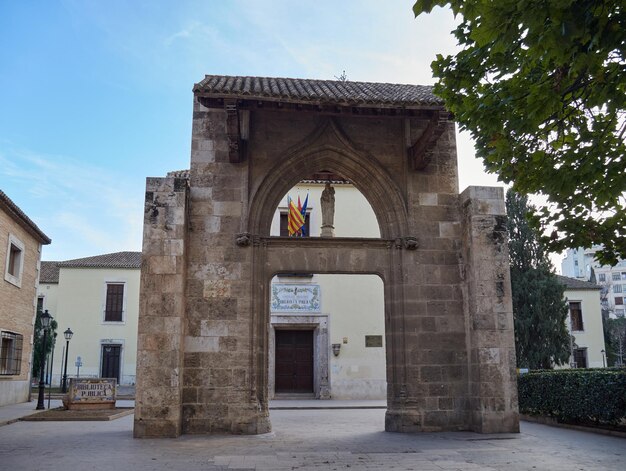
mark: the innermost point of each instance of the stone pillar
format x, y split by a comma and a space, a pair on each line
489, 320
158, 410
221, 391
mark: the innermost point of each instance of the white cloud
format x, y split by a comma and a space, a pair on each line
84, 208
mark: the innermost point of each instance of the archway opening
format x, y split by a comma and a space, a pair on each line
327, 346
353, 216
326, 333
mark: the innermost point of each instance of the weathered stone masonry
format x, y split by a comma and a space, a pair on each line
208, 257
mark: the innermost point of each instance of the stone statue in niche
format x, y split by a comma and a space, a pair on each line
327, 202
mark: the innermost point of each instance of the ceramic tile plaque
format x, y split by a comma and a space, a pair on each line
91, 393
295, 298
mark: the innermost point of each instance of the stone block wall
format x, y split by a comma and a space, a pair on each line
490, 339
162, 309
430, 308
219, 394
442, 257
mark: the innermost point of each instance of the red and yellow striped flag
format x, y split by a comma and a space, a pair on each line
295, 221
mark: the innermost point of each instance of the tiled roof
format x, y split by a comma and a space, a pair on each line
14, 211
49, 272
318, 91
109, 260
573, 283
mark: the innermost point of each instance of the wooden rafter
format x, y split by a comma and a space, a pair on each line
235, 144
420, 153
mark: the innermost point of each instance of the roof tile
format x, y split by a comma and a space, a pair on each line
318, 91
109, 260
13, 210
573, 283
49, 272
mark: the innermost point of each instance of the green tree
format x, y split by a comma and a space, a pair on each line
541, 87
38, 342
615, 341
539, 309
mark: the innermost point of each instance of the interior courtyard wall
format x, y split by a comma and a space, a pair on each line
356, 307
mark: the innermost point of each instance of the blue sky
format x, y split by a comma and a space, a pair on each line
96, 96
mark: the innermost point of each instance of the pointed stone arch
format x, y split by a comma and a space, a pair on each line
328, 148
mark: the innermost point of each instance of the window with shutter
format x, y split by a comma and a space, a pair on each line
576, 316
114, 310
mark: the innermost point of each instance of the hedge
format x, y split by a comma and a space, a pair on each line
575, 395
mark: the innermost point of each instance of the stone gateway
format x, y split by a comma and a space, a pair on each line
208, 257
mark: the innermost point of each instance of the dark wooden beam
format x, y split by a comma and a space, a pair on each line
233, 132
321, 108
420, 153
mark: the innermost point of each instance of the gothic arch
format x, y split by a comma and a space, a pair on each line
329, 149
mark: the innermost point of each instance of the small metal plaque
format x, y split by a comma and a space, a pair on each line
373, 340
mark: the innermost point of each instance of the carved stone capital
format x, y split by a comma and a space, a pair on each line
410, 243
243, 239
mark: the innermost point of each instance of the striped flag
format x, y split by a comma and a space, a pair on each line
295, 221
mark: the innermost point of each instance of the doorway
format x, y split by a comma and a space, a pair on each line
294, 361
111, 355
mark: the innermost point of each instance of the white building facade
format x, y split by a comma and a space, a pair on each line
584, 323
579, 263
98, 299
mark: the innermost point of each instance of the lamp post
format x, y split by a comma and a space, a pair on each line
68, 335
603, 359
45, 319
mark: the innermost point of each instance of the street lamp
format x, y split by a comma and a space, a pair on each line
45, 319
68, 335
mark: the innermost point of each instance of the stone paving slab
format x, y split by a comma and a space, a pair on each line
14, 412
292, 404
305, 440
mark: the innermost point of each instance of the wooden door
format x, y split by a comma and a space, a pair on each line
111, 361
294, 361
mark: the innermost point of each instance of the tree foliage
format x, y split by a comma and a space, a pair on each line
539, 309
541, 87
615, 341
588, 396
38, 342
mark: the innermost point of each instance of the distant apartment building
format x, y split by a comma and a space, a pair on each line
580, 263
20, 253
98, 299
584, 323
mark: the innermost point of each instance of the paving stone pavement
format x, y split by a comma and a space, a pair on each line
305, 440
